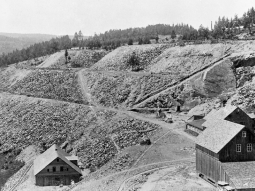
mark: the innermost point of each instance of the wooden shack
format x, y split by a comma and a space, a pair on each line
55, 167
225, 149
195, 126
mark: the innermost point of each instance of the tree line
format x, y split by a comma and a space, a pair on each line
114, 38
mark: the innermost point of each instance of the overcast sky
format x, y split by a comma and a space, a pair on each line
61, 17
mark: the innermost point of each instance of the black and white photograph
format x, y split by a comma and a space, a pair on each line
127, 95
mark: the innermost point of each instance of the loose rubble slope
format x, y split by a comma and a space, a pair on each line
91, 132
224, 74
118, 59
50, 84
123, 90
10, 75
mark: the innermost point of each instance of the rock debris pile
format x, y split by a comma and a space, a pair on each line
244, 75
87, 58
50, 84
25, 121
118, 59
98, 148
123, 89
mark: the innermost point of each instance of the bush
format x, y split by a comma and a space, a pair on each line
134, 62
130, 41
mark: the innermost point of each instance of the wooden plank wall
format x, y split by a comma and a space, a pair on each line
208, 165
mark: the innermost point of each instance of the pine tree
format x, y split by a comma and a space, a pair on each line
173, 35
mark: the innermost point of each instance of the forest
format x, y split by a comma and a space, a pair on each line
114, 38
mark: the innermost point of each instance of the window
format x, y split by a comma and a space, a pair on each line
48, 170
54, 169
66, 169
238, 147
61, 168
57, 160
243, 133
249, 147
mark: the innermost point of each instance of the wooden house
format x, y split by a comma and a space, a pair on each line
229, 113
55, 167
225, 150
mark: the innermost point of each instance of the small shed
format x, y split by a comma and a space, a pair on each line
55, 167
195, 126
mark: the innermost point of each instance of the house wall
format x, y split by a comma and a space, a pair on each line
49, 178
229, 154
209, 166
55, 180
240, 117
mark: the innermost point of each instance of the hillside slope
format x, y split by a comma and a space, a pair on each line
47, 101
25, 121
204, 71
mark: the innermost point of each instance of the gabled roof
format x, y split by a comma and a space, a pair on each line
72, 157
49, 155
217, 134
222, 113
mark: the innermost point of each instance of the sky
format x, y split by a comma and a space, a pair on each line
61, 17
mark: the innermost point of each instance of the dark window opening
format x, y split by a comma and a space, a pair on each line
61, 168
48, 170
54, 169
57, 160
66, 169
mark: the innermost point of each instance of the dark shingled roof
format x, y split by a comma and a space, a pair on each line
217, 134
51, 154
242, 174
197, 123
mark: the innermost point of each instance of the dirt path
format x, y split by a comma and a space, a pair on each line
137, 74
171, 126
122, 186
160, 165
51, 60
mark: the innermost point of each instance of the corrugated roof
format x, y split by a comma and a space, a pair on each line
217, 134
197, 123
49, 155
242, 174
